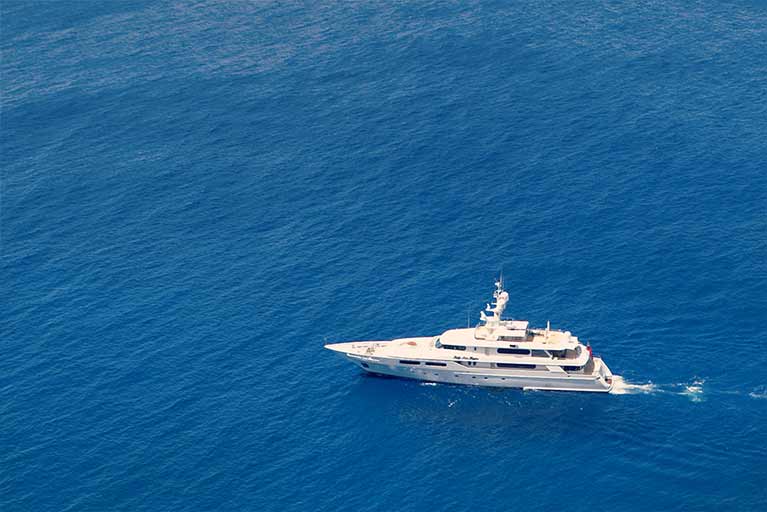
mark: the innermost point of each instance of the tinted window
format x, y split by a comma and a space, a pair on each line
521, 351
454, 347
430, 363
512, 365
403, 361
572, 368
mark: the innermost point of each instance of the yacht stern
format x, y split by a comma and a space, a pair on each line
605, 375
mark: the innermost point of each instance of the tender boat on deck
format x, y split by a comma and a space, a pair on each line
497, 352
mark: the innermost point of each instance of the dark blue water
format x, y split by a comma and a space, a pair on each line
196, 196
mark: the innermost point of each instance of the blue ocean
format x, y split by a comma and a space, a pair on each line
198, 195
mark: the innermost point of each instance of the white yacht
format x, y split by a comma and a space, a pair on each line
497, 352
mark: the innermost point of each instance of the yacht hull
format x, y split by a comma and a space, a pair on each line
600, 381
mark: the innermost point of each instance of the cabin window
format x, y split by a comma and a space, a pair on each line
454, 347
572, 368
405, 361
437, 344
432, 363
510, 338
513, 365
540, 353
520, 351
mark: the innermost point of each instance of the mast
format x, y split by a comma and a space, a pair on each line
501, 299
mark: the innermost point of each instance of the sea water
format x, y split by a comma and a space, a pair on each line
197, 196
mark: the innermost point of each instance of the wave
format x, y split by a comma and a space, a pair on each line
760, 393
694, 390
623, 387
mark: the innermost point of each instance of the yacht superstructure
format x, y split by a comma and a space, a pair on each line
497, 352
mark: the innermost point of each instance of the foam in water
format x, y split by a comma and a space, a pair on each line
622, 387
694, 390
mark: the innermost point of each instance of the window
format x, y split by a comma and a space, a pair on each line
540, 353
512, 365
405, 361
520, 351
572, 368
438, 344
364, 365
433, 363
454, 347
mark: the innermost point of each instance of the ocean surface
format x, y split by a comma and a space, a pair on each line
197, 195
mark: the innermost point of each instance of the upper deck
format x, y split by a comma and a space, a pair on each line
492, 341
532, 339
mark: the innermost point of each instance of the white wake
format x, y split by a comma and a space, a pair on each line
694, 390
623, 387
